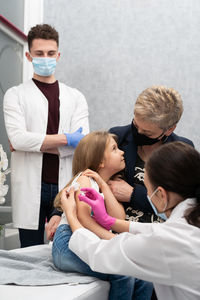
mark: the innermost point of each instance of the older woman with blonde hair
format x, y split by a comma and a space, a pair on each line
157, 111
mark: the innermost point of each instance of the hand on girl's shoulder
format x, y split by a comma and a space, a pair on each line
95, 176
84, 181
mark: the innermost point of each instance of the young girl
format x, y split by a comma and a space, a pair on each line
98, 152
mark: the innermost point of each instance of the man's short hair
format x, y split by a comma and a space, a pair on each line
42, 31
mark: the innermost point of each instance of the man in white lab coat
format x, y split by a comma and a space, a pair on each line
45, 120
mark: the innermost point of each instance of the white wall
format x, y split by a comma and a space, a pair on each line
13, 10
113, 49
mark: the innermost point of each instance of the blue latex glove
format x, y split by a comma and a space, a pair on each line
74, 138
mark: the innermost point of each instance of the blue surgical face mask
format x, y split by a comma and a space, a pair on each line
44, 66
161, 215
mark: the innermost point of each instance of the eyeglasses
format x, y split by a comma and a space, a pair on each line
150, 134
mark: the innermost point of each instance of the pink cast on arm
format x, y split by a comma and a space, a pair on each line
96, 201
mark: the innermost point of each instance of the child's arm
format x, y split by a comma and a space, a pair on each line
84, 213
113, 207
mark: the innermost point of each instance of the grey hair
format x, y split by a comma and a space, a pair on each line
160, 105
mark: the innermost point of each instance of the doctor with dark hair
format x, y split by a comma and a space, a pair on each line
165, 253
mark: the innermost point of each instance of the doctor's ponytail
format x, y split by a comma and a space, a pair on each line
193, 214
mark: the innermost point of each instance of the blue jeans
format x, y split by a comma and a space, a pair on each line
121, 287
36, 237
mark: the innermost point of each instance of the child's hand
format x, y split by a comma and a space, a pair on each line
95, 176
51, 226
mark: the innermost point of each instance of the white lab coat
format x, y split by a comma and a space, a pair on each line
26, 117
166, 254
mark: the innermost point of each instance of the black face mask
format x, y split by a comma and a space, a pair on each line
142, 139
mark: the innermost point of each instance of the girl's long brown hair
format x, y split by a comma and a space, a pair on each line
88, 155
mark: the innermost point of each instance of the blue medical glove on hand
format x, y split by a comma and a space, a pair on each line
96, 201
74, 138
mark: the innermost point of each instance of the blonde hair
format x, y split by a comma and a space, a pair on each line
160, 105
88, 155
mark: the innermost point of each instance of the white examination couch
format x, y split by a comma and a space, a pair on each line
96, 290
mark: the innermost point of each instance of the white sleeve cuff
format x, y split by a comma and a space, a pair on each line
66, 151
